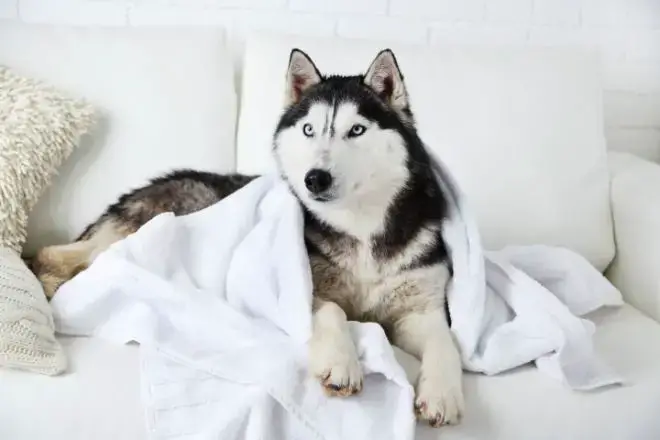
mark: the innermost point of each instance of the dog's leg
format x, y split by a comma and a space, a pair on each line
54, 265
439, 393
333, 356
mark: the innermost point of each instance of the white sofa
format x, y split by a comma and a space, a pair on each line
521, 128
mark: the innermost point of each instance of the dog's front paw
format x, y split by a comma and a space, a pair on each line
439, 400
337, 367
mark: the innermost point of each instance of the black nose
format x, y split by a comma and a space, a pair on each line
318, 181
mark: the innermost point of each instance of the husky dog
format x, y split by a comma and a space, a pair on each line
348, 148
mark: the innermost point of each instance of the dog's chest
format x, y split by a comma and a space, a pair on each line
366, 287
356, 259
370, 282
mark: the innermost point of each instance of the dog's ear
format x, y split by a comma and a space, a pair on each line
301, 75
385, 78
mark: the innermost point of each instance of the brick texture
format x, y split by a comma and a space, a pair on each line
564, 13
467, 33
383, 29
509, 11
76, 12
625, 32
464, 10
371, 7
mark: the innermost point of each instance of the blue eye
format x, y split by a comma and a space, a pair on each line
357, 130
308, 130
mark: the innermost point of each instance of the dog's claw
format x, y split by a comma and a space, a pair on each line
435, 422
343, 390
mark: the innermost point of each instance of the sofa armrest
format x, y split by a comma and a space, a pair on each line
635, 195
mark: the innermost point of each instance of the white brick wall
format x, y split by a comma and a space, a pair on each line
509, 11
627, 32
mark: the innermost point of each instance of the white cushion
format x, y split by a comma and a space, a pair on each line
525, 404
167, 99
100, 397
521, 128
636, 214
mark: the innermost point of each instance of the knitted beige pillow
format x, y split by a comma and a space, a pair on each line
27, 337
39, 129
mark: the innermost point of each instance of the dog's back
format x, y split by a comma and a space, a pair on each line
180, 192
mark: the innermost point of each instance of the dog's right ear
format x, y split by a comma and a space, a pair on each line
301, 75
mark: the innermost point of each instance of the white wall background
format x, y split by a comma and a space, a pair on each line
627, 32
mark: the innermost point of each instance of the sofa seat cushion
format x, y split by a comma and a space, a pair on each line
100, 397
525, 404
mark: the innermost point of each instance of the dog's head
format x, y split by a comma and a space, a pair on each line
343, 141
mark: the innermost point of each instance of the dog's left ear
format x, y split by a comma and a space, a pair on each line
385, 78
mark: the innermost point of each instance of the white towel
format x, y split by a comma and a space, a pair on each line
219, 301
522, 304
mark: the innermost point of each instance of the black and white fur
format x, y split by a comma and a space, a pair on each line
349, 150
373, 227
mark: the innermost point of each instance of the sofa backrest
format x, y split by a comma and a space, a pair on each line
521, 128
166, 99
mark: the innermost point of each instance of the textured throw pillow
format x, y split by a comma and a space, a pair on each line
39, 129
27, 338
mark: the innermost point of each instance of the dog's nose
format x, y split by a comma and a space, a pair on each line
318, 181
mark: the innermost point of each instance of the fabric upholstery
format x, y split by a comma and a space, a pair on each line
636, 212
104, 385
